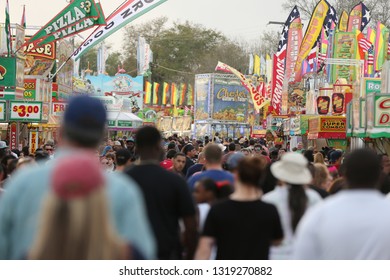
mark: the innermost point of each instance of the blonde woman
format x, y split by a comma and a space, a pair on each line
322, 178
75, 222
319, 158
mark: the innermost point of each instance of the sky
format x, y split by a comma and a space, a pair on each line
242, 20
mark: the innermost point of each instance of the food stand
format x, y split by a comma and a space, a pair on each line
332, 129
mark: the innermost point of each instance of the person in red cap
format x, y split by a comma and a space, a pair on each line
75, 220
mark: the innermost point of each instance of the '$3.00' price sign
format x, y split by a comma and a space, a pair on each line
26, 111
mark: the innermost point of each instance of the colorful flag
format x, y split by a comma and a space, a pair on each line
359, 17
262, 65
370, 57
148, 92
183, 91
174, 94
312, 58
312, 32
268, 60
190, 99
343, 22
363, 42
256, 65
257, 98
388, 49
73, 19
124, 14
382, 34
156, 87
322, 54
294, 43
279, 63
23, 21
8, 29
164, 99
251, 63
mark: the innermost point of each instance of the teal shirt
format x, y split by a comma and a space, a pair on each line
21, 202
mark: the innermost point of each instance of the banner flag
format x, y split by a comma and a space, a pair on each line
190, 99
164, 99
370, 59
262, 65
279, 63
382, 35
343, 22
257, 98
156, 87
312, 32
174, 94
144, 57
268, 61
23, 21
8, 29
148, 92
78, 16
256, 67
293, 45
129, 11
359, 17
251, 63
183, 92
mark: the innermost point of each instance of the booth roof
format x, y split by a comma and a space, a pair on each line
123, 116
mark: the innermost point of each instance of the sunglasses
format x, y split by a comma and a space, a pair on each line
49, 149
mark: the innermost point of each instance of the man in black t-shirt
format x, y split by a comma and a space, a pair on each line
167, 198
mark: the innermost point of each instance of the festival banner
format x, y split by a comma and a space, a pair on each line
256, 65
78, 16
359, 17
174, 94
190, 99
144, 56
371, 35
268, 61
230, 101
202, 97
343, 22
156, 87
124, 14
293, 45
148, 93
33, 141
312, 32
251, 64
165, 90
345, 47
257, 98
382, 36
182, 94
277, 84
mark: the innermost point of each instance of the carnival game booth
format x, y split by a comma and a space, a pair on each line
328, 131
223, 105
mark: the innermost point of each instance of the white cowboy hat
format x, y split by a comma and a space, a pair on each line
222, 147
292, 169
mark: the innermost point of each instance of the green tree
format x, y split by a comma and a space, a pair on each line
112, 62
183, 50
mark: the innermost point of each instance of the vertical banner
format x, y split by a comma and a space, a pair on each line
174, 94
164, 98
344, 48
13, 136
33, 141
148, 93
256, 67
190, 99
183, 91
202, 97
359, 17
277, 84
144, 56
293, 45
312, 32
156, 87
370, 60
268, 61
343, 22
382, 36
251, 63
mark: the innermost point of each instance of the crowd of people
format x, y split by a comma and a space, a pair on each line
154, 197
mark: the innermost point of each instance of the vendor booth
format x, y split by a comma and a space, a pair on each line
332, 129
223, 105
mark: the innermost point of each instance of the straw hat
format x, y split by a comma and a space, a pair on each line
292, 169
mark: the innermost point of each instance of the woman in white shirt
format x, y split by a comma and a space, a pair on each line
291, 198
